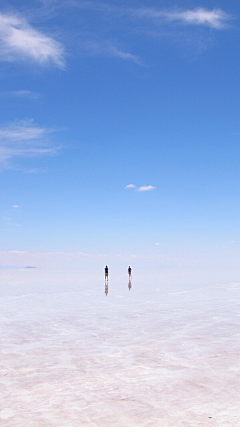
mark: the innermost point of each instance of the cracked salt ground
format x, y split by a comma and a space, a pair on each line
157, 356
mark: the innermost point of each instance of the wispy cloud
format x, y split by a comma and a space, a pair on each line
215, 18
23, 139
21, 131
18, 41
20, 94
130, 186
146, 188
124, 22
108, 48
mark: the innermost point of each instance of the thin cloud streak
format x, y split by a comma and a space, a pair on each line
21, 131
107, 48
28, 94
23, 139
151, 22
215, 18
20, 41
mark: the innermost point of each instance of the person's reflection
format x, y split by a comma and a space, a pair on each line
106, 288
129, 277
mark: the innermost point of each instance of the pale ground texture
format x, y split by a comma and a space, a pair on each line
152, 356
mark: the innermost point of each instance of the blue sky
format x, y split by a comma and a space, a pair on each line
120, 131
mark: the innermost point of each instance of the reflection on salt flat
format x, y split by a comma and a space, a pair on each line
106, 285
106, 288
155, 356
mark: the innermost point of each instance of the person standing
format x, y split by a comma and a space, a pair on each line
106, 272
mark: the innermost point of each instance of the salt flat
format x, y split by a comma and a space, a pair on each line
153, 356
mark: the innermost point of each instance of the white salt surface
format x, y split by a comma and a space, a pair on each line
153, 356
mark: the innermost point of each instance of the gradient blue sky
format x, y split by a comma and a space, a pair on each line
99, 96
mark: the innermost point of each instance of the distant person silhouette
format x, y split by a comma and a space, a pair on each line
106, 275
106, 271
129, 271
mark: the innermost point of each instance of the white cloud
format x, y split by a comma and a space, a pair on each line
150, 21
21, 131
23, 139
142, 188
20, 94
146, 188
130, 186
15, 206
215, 18
157, 244
18, 40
